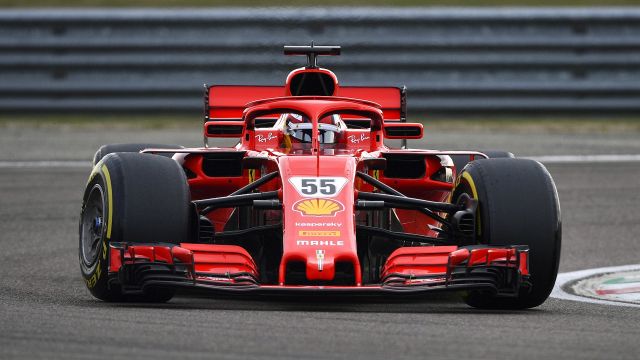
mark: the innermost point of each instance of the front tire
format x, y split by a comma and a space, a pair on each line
517, 205
131, 198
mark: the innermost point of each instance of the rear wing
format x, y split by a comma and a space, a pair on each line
227, 102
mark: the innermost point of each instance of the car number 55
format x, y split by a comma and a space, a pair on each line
323, 186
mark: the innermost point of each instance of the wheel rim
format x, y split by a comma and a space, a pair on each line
92, 230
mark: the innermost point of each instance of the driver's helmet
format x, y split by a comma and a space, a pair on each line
300, 128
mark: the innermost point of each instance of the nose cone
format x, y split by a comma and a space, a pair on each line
319, 229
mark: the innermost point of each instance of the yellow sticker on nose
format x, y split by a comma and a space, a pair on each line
333, 233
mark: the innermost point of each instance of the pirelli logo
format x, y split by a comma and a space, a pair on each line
319, 233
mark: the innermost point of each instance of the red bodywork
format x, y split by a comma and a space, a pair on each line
315, 241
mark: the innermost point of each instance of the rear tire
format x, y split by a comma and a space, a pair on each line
105, 150
132, 198
517, 205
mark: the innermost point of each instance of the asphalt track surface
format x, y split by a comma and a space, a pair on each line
46, 312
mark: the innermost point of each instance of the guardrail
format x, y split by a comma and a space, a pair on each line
452, 60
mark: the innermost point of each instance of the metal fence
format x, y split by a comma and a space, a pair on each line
452, 60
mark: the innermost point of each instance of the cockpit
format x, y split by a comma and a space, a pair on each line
300, 128
289, 124
293, 132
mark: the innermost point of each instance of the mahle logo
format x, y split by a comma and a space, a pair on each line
318, 207
320, 242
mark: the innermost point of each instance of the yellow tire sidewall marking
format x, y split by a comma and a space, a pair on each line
93, 280
467, 177
472, 184
107, 179
104, 250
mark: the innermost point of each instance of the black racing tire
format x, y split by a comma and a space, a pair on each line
517, 205
131, 198
460, 161
105, 150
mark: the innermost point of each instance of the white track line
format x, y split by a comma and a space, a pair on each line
547, 159
565, 278
559, 159
46, 164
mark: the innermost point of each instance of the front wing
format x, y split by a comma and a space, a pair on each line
230, 269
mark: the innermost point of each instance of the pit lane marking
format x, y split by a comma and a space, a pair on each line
579, 286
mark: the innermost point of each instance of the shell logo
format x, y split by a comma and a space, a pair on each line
318, 207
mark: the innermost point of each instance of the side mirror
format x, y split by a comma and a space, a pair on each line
224, 129
403, 131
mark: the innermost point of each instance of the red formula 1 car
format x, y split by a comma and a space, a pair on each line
311, 201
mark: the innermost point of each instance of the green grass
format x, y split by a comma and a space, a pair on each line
613, 125
201, 3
